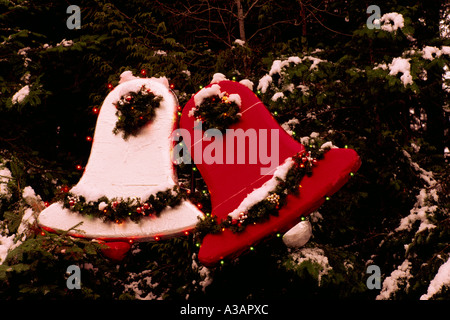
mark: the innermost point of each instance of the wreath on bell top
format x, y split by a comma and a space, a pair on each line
218, 111
135, 110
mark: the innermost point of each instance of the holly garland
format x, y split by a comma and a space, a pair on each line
270, 206
118, 210
217, 112
135, 110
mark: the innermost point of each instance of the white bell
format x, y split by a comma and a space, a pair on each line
137, 167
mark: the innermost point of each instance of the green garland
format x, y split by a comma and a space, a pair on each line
118, 209
270, 206
217, 112
135, 110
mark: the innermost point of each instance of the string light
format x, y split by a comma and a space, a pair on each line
95, 110
79, 167
110, 86
327, 198
143, 72
88, 138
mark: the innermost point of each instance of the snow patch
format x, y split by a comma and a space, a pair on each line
204, 273
262, 192
264, 83
401, 65
217, 77
30, 196
247, 83
65, 43
239, 42
278, 95
5, 176
327, 145
28, 218
160, 53
287, 126
418, 213
20, 95
145, 280
421, 209
304, 89
236, 98
186, 72
397, 278
126, 76
382, 66
392, 21
206, 93
277, 68
441, 279
315, 255
6, 242
430, 53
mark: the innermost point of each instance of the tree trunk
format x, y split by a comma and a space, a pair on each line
240, 14
304, 41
